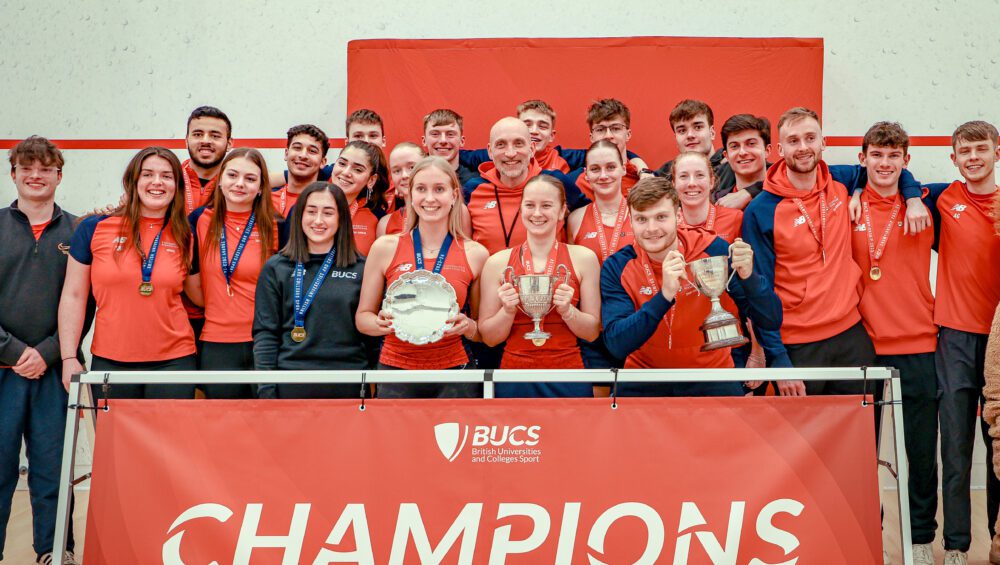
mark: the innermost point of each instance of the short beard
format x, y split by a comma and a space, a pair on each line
205, 164
794, 166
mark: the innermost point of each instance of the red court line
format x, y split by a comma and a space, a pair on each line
337, 143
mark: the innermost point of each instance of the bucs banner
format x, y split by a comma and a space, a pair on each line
759, 481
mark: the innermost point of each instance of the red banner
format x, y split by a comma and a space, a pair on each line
724, 481
485, 79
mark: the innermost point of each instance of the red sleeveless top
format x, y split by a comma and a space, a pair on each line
561, 351
448, 351
589, 237
396, 222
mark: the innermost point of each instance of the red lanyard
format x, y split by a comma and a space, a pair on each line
874, 254
820, 236
619, 229
709, 223
647, 268
529, 266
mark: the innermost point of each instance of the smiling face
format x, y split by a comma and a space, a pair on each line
319, 220
605, 171
540, 127
372, 133
401, 163
747, 153
801, 144
208, 141
304, 157
613, 129
511, 149
240, 184
352, 172
692, 179
443, 141
975, 159
35, 181
884, 165
156, 186
655, 227
433, 195
542, 208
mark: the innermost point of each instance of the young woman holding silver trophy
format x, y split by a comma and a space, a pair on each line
418, 282
541, 296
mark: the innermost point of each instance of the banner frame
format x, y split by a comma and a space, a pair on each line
78, 392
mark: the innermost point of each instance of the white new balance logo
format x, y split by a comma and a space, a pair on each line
590, 235
451, 438
490, 205
799, 221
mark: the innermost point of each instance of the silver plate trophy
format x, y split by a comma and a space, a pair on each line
420, 303
711, 277
535, 293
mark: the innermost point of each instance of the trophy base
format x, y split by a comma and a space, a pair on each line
722, 331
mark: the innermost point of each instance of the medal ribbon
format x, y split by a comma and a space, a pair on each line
709, 223
602, 239
302, 306
874, 254
529, 265
228, 268
820, 236
148, 261
647, 268
418, 251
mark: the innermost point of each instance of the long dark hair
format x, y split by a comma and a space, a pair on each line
379, 167
263, 208
130, 206
297, 248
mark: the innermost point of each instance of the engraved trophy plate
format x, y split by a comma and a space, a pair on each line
420, 303
711, 277
535, 293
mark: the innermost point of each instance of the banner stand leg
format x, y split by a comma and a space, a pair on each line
68, 464
902, 467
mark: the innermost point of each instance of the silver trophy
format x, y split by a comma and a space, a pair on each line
535, 293
711, 277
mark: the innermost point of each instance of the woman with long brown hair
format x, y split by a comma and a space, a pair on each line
233, 237
362, 174
135, 262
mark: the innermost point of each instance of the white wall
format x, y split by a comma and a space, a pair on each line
120, 69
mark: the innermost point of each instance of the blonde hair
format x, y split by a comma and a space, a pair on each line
455, 216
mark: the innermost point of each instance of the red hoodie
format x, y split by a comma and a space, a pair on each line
550, 160
819, 296
495, 208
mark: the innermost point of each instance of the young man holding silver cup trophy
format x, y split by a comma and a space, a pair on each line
662, 297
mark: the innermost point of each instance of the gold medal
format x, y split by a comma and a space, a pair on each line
539, 341
298, 334
146, 288
875, 273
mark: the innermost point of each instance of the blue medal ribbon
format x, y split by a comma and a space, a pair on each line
418, 251
228, 268
302, 305
146, 288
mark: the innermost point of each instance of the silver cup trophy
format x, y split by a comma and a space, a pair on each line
711, 277
535, 293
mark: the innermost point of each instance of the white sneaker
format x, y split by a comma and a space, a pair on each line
68, 559
955, 557
923, 554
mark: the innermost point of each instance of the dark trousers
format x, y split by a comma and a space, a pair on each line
850, 348
35, 410
918, 380
429, 390
960, 362
182, 391
227, 357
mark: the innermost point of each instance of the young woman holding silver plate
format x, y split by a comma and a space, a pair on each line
555, 286
418, 282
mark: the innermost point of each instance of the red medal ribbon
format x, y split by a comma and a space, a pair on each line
874, 254
821, 235
709, 223
647, 268
602, 239
529, 266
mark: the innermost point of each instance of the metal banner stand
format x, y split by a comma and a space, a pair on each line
78, 401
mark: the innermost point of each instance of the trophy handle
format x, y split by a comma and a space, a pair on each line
562, 274
732, 271
508, 276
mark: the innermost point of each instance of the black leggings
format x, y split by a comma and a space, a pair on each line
227, 357
182, 391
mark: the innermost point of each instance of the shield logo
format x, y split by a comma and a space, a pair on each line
451, 437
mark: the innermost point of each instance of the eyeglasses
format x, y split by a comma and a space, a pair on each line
39, 171
615, 129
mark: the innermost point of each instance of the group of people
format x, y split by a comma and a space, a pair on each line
218, 263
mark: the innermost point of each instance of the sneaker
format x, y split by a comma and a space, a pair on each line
68, 559
955, 557
923, 554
